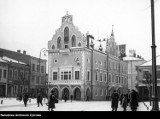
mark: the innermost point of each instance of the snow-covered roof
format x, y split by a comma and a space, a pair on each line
149, 63
1, 60
131, 58
12, 60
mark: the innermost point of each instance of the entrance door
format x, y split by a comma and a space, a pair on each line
77, 94
65, 92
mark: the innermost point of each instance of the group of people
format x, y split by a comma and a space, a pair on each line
128, 99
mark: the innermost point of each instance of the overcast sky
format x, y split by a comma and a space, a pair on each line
30, 24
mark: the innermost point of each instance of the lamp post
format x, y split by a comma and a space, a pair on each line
154, 76
44, 50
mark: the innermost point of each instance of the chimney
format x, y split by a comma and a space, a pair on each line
19, 51
24, 52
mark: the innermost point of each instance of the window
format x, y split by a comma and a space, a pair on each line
42, 69
66, 75
79, 44
73, 41
158, 74
54, 75
5, 74
53, 47
10, 74
101, 77
88, 75
15, 75
66, 35
96, 76
38, 68
112, 78
26, 75
101, 92
109, 78
59, 42
76, 75
0, 73
96, 92
105, 78
33, 67
116, 79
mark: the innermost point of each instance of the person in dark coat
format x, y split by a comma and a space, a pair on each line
121, 98
65, 97
25, 99
71, 97
114, 100
39, 99
124, 102
134, 100
51, 101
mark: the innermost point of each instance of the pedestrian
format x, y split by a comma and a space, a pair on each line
25, 99
124, 102
71, 97
121, 97
39, 99
51, 101
65, 97
134, 100
114, 100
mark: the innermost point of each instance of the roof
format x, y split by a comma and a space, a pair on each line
1, 60
149, 63
12, 60
131, 58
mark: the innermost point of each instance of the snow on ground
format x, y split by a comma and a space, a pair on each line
11, 104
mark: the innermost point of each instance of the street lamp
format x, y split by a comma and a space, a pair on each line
44, 50
155, 98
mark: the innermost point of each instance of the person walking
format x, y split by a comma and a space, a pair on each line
51, 101
114, 100
71, 97
124, 102
25, 99
134, 100
39, 99
65, 97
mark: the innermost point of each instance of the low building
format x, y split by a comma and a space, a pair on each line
3, 77
144, 79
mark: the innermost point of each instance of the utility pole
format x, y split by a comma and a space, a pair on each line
155, 98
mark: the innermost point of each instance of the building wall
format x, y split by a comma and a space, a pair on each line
144, 89
3, 79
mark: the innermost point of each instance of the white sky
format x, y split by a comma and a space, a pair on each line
30, 24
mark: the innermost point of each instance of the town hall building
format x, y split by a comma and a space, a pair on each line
76, 67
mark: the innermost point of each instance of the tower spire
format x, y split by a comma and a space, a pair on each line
112, 31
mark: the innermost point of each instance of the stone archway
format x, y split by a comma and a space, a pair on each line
65, 92
88, 94
77, 94
56, 93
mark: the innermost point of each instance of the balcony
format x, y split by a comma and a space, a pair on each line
73, 82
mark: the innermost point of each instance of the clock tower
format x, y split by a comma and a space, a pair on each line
67, 18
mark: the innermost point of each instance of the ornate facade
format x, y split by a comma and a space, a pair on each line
83, 71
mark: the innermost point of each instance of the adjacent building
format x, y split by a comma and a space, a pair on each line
77, 68
145, 83
3, 77
36, 72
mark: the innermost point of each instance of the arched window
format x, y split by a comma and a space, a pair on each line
53, 47
109, 78
66, 35
59, 42
73, 41
79, 44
